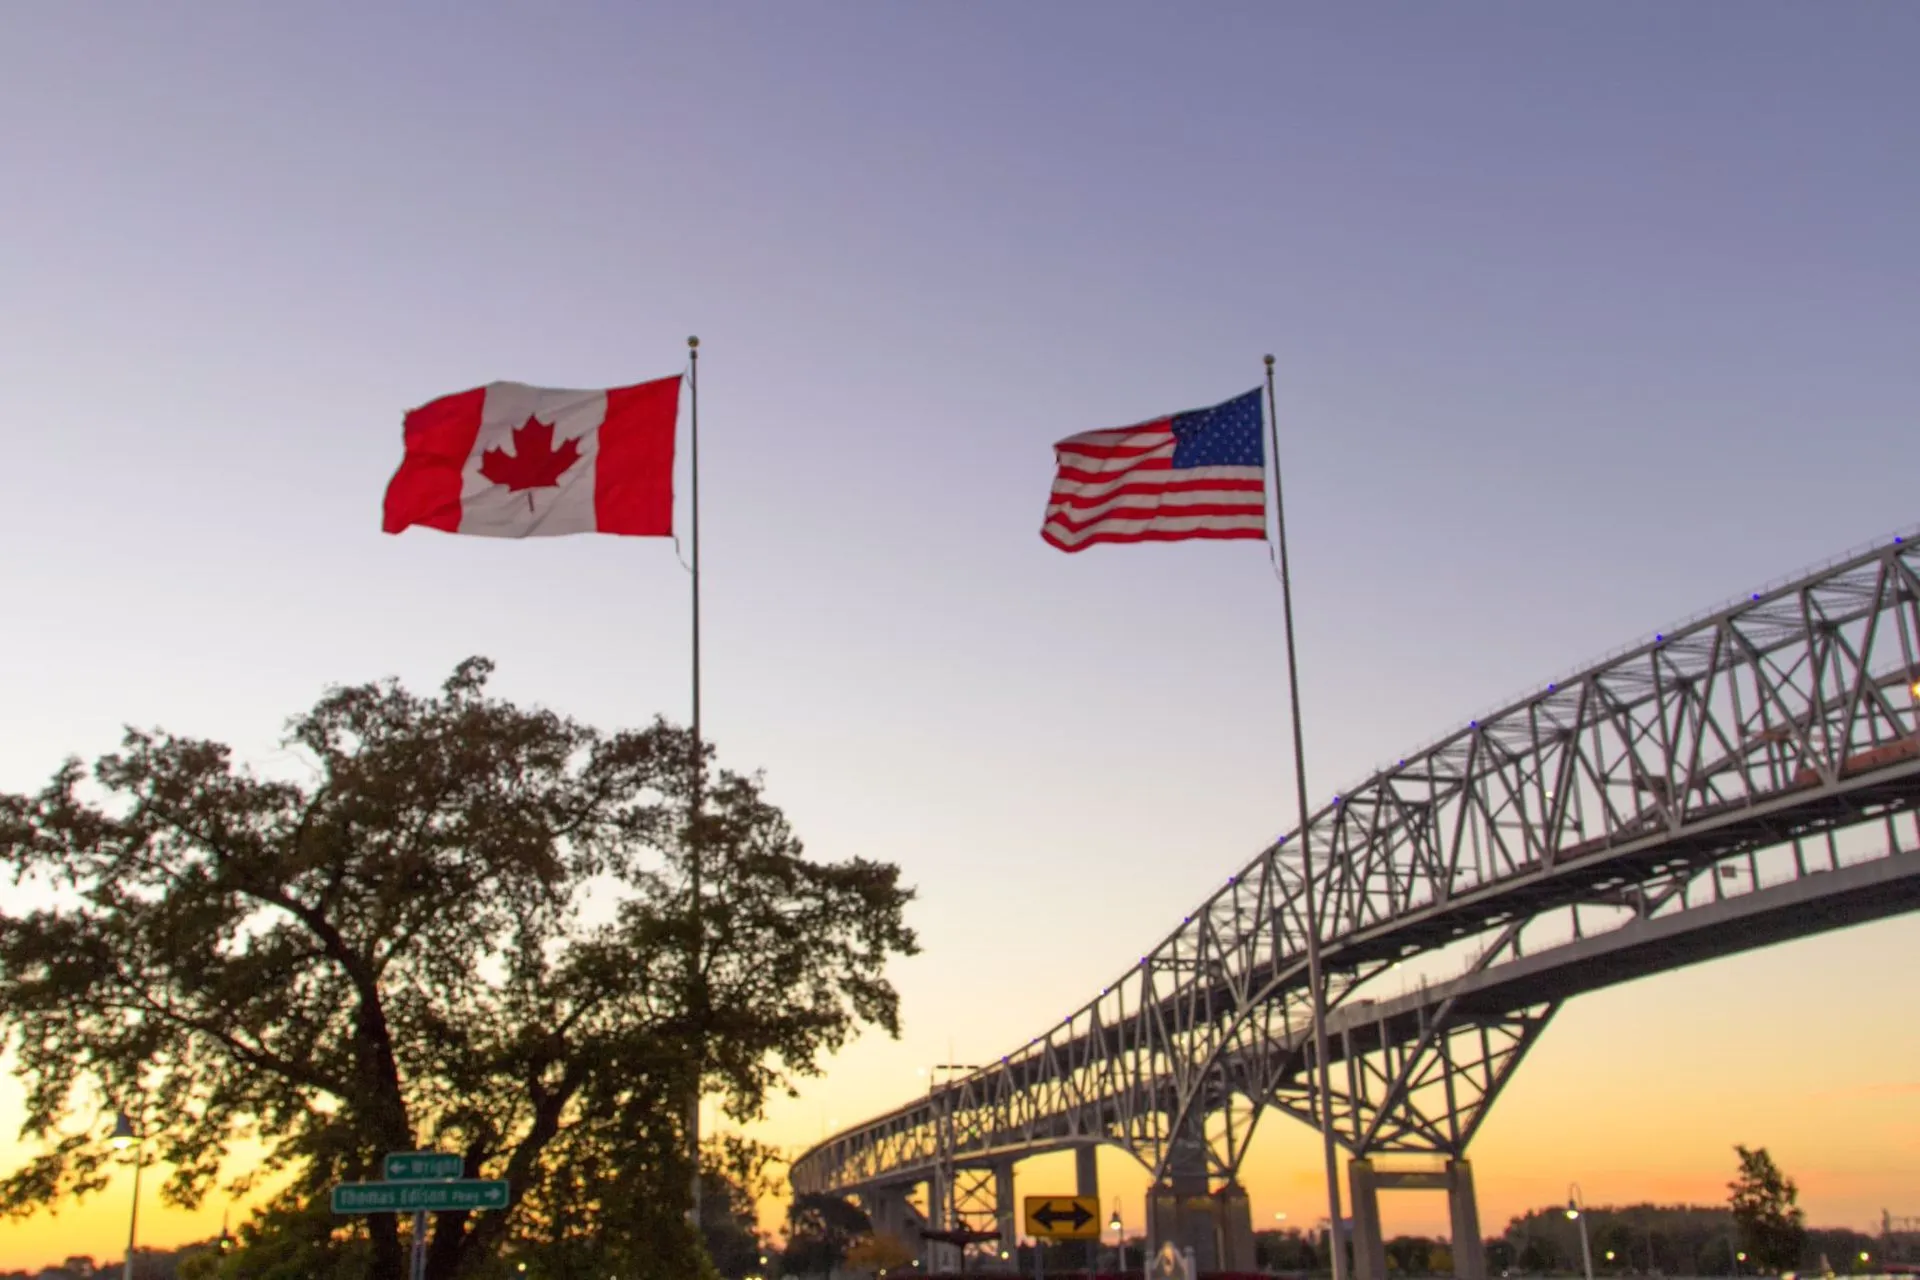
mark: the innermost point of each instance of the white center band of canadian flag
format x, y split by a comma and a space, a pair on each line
512, 461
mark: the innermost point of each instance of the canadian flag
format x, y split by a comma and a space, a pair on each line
512, 461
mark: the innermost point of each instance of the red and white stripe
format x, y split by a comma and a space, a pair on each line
1122, 486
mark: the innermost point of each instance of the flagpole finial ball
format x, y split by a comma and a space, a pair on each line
1269, 360
693, 343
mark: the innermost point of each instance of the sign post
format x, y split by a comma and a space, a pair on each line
421, 1182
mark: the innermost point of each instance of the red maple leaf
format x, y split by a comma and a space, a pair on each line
534, 462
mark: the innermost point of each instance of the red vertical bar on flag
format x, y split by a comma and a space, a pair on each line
440, 436
633, 481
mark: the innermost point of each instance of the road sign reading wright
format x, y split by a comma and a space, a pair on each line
419, 1166
420, 1197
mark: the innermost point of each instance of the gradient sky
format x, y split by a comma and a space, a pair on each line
1586, 316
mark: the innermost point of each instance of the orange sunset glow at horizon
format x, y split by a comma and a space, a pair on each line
1634, 1100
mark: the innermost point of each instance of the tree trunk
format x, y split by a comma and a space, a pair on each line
389, 1261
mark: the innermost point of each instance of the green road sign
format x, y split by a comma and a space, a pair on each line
419, 1166
420, 1197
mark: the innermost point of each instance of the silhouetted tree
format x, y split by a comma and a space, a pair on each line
821, 1229
1408, 1254
1771, 1226
395, 952
1285, 1251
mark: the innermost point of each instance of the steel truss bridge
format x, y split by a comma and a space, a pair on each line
1750, 776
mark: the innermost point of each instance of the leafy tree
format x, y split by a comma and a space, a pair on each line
1770, 1224
1539, 1255
1288, 1250
821, 1230
736, 1179
467, 926
1408, 1254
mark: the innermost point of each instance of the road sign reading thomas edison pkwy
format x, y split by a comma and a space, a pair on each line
420, 1197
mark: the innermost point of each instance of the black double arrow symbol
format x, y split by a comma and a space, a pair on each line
1049, 1216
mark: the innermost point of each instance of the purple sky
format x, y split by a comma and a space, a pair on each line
1587, 317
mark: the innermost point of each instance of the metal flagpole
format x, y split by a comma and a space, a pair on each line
1314, 979
698, 993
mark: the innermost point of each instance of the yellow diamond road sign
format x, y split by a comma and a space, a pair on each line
1063, 1217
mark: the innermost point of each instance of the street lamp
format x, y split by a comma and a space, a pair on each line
125, 1136
1119, 1238
1574, 1203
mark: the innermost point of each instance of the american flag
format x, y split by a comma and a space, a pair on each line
1199, 474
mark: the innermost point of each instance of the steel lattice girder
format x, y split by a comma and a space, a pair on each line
1761, 735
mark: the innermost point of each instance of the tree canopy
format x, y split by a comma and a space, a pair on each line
458, 925
1766, 1211
822, 1229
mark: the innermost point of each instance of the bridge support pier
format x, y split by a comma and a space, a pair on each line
1006, 1214
893, 1215
1183, 1210
1234, 1215
1469, 1250
1369, 1243
1086, 1182
1179, 1210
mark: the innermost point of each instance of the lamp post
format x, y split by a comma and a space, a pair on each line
1575, 1203
1119, 1238
125, 1136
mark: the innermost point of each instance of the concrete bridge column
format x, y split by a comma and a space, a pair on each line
1233, 1216
1006, 1214
1369, 1246
891, 1213
1086, 1182
940, 1257
1179, 1208
1469, 1250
